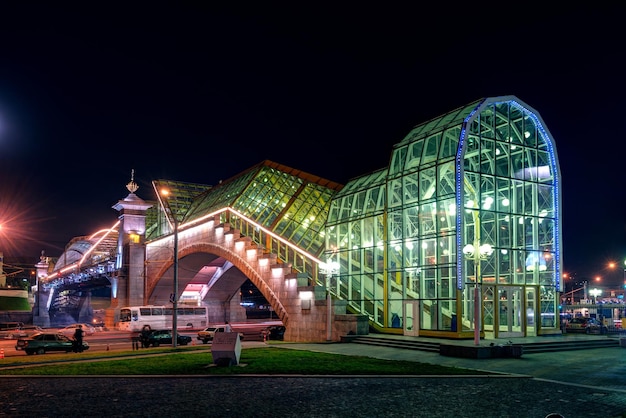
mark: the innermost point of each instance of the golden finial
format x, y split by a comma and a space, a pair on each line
132, 186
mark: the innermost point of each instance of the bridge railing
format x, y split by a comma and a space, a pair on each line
78, 272
288, 253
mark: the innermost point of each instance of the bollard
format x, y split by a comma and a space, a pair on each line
1, 353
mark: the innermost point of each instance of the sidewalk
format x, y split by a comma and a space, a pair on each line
594, 368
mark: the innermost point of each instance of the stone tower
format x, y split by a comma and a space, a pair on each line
130, 284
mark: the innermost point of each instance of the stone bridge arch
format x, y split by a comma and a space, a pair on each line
211, 251
300, 304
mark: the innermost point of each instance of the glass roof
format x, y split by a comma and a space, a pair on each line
99, 246
180, 195
289, 202
452, 118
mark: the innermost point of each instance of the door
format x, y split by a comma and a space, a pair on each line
531, 303
410, 317
509, 314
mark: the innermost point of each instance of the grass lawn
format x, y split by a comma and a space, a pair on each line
199, 361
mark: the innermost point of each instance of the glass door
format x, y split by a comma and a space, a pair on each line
410, 317
488, 312
509, 314
531, 303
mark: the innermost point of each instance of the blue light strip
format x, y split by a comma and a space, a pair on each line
555, 194
460, 233
459, 192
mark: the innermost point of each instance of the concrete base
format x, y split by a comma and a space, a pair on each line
478, 352
226, 348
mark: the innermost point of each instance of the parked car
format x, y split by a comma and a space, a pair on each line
208, 333
43, 342
20, 332
5, 326
163, 336
273, 332
98, 324
69, 330
586, 325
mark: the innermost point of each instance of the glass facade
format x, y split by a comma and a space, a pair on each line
469, 200
462, 227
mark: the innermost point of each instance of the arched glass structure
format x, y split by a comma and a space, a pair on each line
462, 227
470, 200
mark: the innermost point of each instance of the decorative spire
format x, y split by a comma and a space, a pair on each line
132, 186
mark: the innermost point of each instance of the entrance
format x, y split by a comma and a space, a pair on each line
510, 311
410, 318
531, 323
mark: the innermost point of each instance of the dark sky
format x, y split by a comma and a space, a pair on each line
199, 93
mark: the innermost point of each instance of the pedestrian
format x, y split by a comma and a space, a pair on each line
78, 339
145, 335
135, 338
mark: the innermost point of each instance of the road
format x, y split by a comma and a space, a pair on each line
121, 340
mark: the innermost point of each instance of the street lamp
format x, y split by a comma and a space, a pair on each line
330, 268
175, 298
595, 292
173, 221
477, 252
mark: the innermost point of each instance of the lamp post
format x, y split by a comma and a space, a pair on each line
175, 298
329, 269
477, 252
173, 221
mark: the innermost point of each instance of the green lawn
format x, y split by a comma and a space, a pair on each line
8, 303
199, 361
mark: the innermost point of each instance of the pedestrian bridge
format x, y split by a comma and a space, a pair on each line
215, 250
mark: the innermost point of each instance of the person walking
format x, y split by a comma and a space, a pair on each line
78, 339
145, 336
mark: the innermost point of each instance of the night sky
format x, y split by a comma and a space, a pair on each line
199, 93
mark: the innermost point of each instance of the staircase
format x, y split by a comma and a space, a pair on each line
552, 346
421, 345
529, 346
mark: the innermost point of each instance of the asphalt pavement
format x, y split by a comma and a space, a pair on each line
581, 383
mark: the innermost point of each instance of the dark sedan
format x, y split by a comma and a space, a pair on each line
43, 342
274, 332
163, 336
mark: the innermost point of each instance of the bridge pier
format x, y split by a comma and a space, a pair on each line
41, 317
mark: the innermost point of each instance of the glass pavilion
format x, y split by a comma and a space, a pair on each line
462, 227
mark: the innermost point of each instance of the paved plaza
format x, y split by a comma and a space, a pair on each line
581, 383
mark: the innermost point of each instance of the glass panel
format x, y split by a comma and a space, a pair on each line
430, 149
449, 143
395, 193
415, 155
447, 180
411, 188
398, 158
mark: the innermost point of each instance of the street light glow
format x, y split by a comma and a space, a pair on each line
173, 221
329, 268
